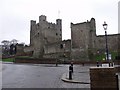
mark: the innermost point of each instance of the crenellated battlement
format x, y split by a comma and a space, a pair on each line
43, 33
84, 43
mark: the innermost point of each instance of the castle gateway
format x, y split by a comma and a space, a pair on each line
46, 40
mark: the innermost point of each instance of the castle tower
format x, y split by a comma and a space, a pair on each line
59, 28
92, 33
42, 22
39, 37
44, 33
92, 38
32, 31
42, 18
82, 39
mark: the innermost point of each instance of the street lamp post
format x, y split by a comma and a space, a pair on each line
105, 28
64, 51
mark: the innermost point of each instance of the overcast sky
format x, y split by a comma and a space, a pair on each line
16, 15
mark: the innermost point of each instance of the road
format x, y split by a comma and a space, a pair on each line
36, 76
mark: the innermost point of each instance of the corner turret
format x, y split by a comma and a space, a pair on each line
59, 28
32, 31
42, 18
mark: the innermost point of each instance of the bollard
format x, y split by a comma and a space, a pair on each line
112, 64
100, 64
82, 64
70, 73
109, 64
97, 64
71, 67
56, 64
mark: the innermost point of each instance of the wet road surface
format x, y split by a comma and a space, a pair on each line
37, 76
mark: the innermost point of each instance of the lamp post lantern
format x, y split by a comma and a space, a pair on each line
105, 28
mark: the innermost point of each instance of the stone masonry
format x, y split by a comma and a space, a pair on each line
44, 33
46, 40
85, 42
83, 37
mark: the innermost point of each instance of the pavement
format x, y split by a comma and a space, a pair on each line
75, 79
80, 75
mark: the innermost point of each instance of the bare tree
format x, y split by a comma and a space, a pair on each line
14, 41
5, 42
5, 47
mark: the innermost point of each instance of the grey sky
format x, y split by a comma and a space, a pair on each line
16, 15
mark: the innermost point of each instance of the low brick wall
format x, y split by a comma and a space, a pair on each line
103, 78
117, 62
35, 61
94, 62
117, 69
53, 61
5, 57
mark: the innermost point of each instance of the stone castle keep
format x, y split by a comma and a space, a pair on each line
43, 34
46, 40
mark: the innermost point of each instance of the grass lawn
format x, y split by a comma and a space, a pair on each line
8, 60
101, 56
13, 59
27, 57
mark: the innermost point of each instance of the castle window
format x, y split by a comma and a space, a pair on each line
60, 34
56, 34
61, 46
60, 29
91, 30
48, 27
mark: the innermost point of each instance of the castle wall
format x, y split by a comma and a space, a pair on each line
79, 35
112, 42
38, 45
82, 36
58, 49
46, 40
85, 43
20, 49
51, 35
